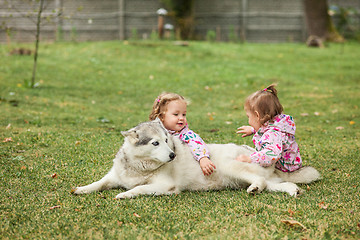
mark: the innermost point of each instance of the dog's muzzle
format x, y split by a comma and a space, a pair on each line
172, 156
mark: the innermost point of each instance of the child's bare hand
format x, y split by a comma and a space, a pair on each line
207, 166
243, 158
246, 130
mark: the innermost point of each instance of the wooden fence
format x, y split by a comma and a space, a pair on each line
93, 20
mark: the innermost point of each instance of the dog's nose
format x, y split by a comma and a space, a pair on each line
172, 156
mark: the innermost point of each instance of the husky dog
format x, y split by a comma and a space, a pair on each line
152, 161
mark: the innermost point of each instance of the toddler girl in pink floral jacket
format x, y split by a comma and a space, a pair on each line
170, 108
274, 132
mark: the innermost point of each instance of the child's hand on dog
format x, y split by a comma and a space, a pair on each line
207, 166
243, 158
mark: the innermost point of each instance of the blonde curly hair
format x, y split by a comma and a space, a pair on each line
160, 104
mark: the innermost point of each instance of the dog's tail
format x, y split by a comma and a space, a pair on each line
303, 175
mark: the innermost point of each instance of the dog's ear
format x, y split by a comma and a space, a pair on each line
157, 120
132, 135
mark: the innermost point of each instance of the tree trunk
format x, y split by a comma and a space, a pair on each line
37, 40
319, 22
183, 13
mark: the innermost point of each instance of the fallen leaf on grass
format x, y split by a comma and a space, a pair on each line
304, 114
316, 113
210, 115
291, 212
323, 205
136, 215
8, 139
77, 143
53, 207
293, 223
339, 128
8, 126
207, 88
352, 122
54, 175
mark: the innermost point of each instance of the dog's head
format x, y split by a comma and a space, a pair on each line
150, 143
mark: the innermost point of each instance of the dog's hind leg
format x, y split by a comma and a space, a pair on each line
288, 187
107, 182
246, 173
258, 184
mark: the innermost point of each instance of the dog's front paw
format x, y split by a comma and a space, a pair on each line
73, 190
256, 188
124, 195
79, 190
295, 192
253, 189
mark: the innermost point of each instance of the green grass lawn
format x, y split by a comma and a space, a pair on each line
65, 133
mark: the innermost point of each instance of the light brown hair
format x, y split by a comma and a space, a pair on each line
265, 102
160, 104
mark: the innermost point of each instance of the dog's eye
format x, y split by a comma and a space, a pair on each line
155, 143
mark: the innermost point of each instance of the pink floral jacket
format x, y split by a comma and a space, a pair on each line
193, 140
275, 143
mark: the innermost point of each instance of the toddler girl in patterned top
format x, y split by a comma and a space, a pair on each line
274, 132
170, 108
